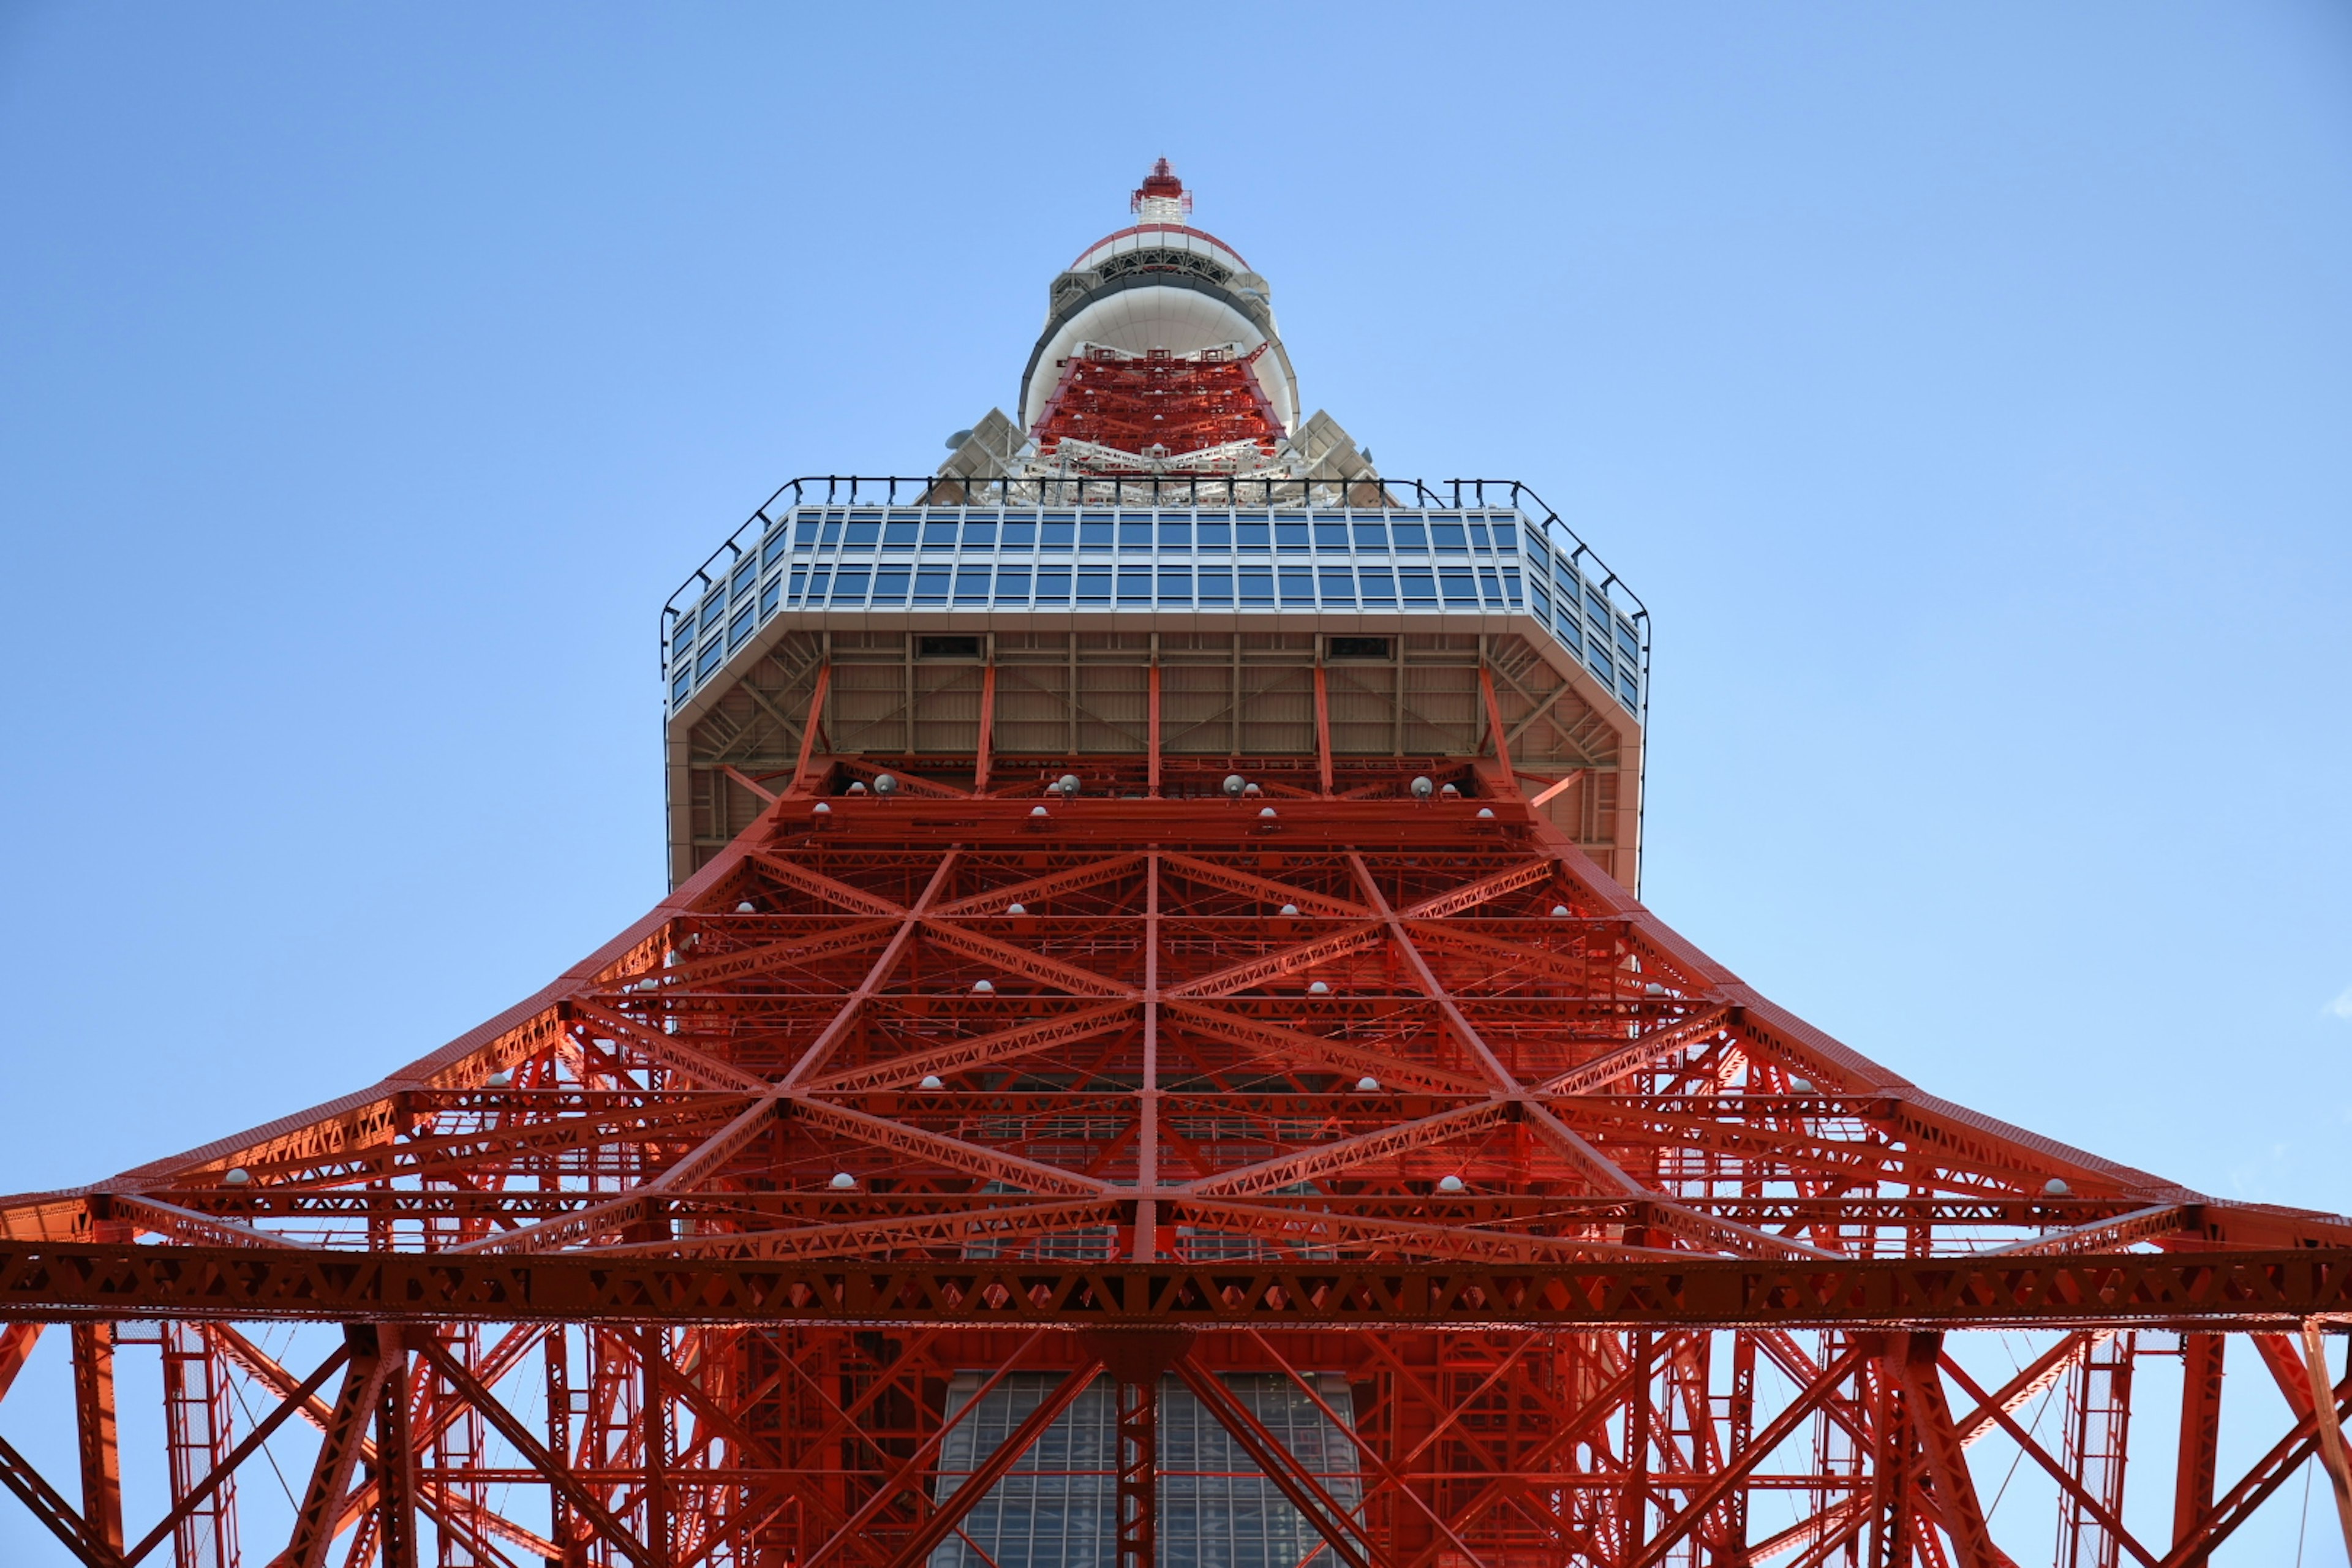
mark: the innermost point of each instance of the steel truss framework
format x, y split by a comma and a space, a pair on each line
1153, 1083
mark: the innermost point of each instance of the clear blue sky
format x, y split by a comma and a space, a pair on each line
1967, 390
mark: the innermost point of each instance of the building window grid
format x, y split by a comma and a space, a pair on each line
1056, 1507
981, 557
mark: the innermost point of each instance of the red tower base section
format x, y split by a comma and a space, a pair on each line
1590, 1254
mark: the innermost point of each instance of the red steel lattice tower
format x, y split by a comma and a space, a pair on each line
1151, 1057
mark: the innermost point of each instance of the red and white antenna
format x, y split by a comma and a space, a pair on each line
1162, 198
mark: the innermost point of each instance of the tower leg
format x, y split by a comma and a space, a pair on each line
101, 1462
2200, 1436
1139, 1473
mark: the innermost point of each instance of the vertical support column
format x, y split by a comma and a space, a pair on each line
1635, 1501
557, 1350
1739, 1420
101, 1458
1322, 724
1146, 1245
395, 1466
1890, 1462
1138, 1472
2200, 1436
653, 1410
988, 722
1153, 717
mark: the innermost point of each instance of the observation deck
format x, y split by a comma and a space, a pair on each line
974, 633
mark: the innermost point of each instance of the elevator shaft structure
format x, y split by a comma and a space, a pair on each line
1152, 1055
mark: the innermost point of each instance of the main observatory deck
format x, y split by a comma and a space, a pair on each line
1190, 625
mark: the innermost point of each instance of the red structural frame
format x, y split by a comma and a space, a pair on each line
1151, 1083
1159, 404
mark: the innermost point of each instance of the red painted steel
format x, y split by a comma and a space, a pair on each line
1619, 1262
1159, 404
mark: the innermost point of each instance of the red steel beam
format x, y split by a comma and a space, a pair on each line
63, 1282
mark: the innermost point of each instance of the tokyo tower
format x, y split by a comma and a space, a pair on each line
1154, 1059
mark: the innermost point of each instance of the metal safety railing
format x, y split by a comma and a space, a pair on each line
1567, 587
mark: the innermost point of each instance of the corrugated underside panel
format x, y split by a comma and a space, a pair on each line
1243, 694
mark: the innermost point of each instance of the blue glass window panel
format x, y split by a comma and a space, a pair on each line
804, 531
1059, 535
849, 587
1253, 535
1409, 536
939, 535
680, 687
1177, 531
1627, 641
1135, 534
710, 660
1626, 689
1478, 534
1507, 536
799, 581
1564, 622
931, 585
1020, 535
682, 637
1511, 586
1338, 585
714, 610
1290, 535
1297, 586
817, 584
890, 585
832, 534
1420, 587
898, 535
864, 535
1570, 585
1053, 587
1449, 536
1175, 587
1597, 658
1135, 585
1094, 587
982, 533
1257, 587
1216, 587
1460, 587
1371, 536
1596, 607
741, 586
1097, 534
774, 551
1013, 585
1379, 586
1542, 601
1330, 536
1489, 585
740, 627
971, 586
1216, 535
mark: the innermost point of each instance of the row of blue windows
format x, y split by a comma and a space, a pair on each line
1299, 586
1167, 533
